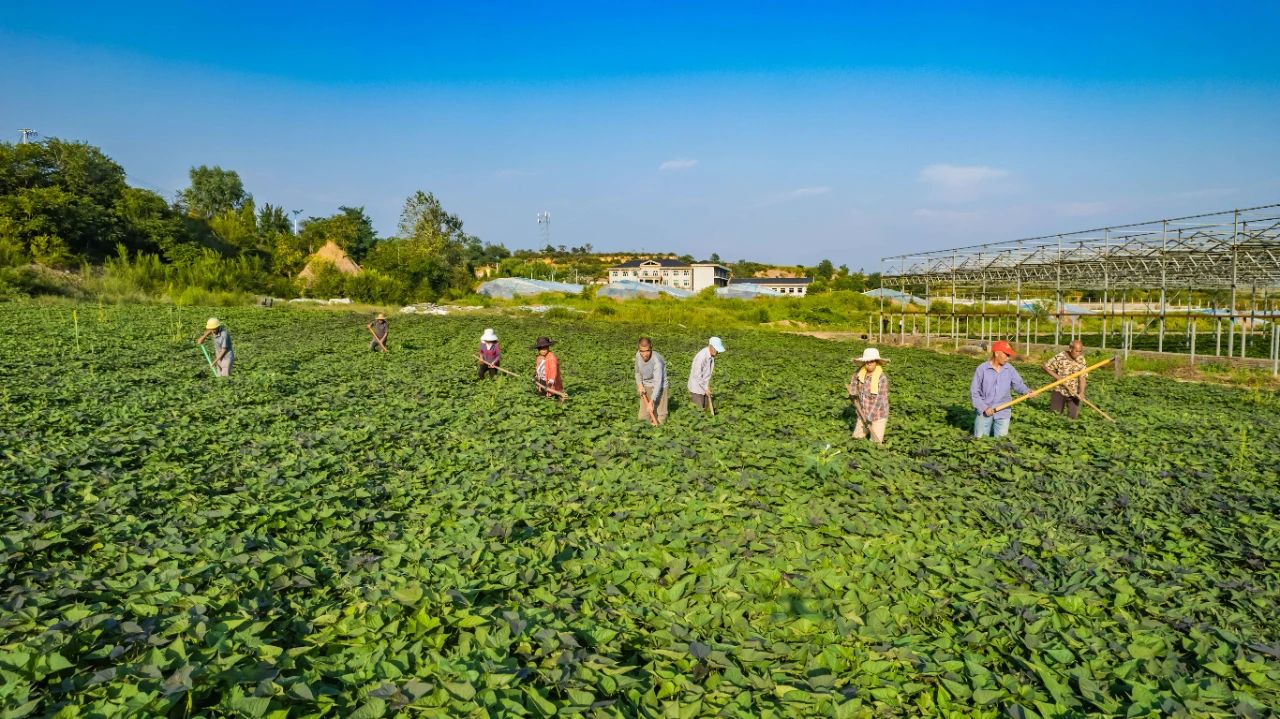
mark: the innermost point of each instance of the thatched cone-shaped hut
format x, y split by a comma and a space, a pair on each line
332, 254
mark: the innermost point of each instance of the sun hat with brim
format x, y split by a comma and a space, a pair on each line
489, 335
716, 343
542, 343
871, 354
381, 316
1004, 347
213, 323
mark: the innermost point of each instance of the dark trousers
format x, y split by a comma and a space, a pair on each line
485, 369
699, 400
1059, 402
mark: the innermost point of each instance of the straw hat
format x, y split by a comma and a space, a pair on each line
871, 354
542, 343
489, 335
381, 316
212, 324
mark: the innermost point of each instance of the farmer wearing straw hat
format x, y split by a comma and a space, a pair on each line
379, 329
223, 355
651, 383
547, 371
704, 364
869, 390
991, 386
490, 354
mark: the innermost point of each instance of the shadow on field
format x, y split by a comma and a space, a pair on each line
960, 416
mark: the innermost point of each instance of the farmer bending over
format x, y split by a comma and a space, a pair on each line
379, 329
1067, 395
704, 364
490, 354
651, 383
869, 390
223, 355
990, 388
547, 372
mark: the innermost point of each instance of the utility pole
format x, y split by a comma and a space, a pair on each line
27, 133
295, 220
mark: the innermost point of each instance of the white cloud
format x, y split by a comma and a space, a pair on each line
809, 191
795, 194
961, 183
677, 165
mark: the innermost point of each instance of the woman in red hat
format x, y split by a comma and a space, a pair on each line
991, 387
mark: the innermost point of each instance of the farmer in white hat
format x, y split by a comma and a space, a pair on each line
490, 354
379, 329
704, 364
223, 355
869, 390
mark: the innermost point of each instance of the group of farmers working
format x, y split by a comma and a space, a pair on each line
652, 388
990, 391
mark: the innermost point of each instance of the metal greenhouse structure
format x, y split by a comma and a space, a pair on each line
1202, 285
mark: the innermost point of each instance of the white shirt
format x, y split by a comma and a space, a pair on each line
700, 374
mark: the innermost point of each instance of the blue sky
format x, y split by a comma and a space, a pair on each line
780, 132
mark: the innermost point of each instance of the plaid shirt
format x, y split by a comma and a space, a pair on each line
1062, 365
870, 407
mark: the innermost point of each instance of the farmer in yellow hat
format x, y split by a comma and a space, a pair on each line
379, 329
223, 355
869, 390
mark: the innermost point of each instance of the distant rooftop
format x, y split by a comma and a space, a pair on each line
661, 262
771, 281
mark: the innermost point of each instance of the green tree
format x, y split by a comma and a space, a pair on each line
362, 237
273, 220
349, 228
63, 193
237, 227
213, 191
432, 253
825, 269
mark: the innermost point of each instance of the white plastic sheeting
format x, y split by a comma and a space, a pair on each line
628, 289
746, 292
508, 287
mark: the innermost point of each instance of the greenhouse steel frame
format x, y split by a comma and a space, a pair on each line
1235, 252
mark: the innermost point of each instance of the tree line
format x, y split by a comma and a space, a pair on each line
68, 206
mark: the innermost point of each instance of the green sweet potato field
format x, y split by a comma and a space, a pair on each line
334, 532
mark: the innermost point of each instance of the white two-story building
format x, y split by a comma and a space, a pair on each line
694, 277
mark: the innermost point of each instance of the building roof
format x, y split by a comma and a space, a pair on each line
772, 281
661, 262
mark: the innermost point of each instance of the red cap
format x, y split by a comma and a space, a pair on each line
1002, 346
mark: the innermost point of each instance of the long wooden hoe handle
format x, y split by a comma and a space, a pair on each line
1055, 383
1097, 409
513, 374
378, 339
648, 404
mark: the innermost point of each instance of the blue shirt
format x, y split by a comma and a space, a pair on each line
991, 388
